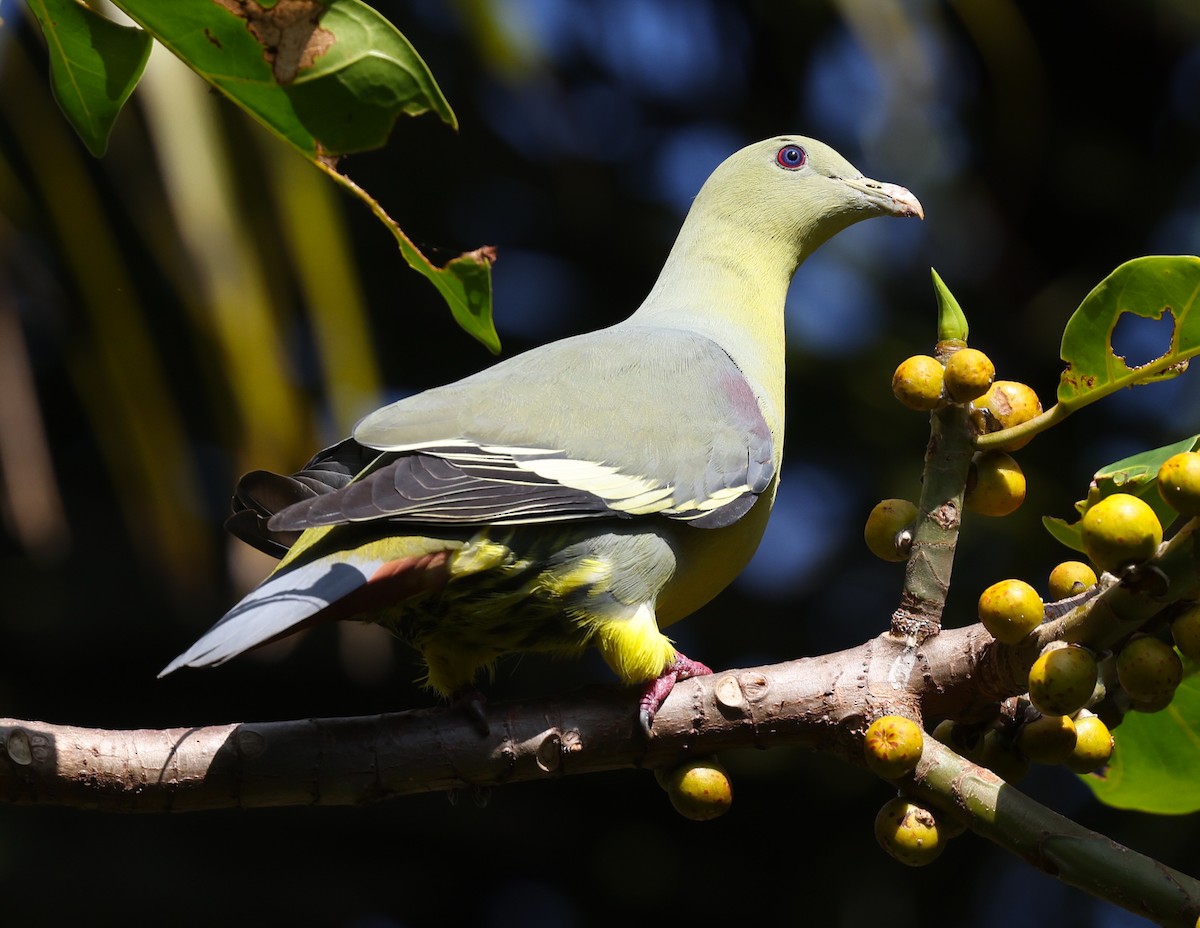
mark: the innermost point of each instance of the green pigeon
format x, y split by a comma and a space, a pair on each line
586, 493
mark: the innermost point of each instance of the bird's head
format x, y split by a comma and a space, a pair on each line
800, 190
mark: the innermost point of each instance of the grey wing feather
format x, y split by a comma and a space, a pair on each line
579, 429
421, 487
260, 494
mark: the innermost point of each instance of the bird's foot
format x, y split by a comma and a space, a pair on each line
657, 690
472, 702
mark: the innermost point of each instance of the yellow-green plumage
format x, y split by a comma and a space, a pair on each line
587, 493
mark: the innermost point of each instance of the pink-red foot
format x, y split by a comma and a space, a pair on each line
657, 690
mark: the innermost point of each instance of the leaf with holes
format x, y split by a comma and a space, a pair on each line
1136, 475
1147, 287
328, 77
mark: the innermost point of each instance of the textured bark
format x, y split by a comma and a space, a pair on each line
824, 703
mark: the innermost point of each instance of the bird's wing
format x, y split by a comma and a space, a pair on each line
628, 421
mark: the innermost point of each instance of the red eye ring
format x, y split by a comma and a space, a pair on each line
791, 157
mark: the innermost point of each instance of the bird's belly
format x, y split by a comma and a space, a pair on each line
531, 590
539, 588
707, 565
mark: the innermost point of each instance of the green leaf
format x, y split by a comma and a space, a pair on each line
1156, 758
1136, 475
1064, 532
464, 282
1146, 287
94, 66
952, 322
328, 77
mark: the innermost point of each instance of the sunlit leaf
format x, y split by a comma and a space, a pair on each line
328, 77
94, 66
464, 283
1136, 475
1147, 287
1156, 758
952, 322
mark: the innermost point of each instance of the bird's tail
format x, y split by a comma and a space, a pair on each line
284, 603
260, 494
365, 582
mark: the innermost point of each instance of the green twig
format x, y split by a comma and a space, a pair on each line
927, 573
1052, 416
1052, 843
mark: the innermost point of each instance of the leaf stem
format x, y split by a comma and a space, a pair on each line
1051, 417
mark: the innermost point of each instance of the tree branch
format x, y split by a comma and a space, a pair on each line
1052, 843
821, 702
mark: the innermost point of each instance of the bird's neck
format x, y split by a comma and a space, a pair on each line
727, 281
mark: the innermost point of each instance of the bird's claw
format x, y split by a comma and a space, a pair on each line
658, 689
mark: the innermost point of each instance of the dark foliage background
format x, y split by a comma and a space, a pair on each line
1048, 142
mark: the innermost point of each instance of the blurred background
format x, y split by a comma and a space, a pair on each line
201, 302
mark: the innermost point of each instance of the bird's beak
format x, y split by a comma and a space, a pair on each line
887, 198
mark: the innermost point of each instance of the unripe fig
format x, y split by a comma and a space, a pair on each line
998, 753
887, 520
1120, 530
1185, 630
1006, 403
1010, 610
952, 734
892, 745
908, 832
969, 373
700, 789
1062, 679
1047, 739
1179, 483
1093, 744
917, 382
1149, 670
1149, 706
1069, 578
995, 485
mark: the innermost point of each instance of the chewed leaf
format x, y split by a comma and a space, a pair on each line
1148, 287
465, 282
1064, 532
328, 76
1136, 475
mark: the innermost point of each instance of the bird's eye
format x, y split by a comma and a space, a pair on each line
791, 157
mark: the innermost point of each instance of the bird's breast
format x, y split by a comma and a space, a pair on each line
708, 560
